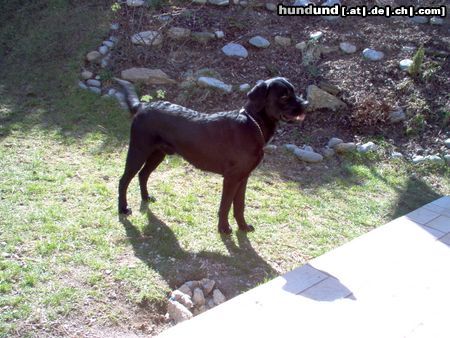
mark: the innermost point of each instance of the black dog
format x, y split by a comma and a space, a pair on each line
228, 143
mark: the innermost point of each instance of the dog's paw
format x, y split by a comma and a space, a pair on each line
149, 198
247, 228
125, 211
226, 230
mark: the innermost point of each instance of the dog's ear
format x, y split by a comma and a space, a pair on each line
257, 96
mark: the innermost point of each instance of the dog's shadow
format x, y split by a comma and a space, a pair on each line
157, 246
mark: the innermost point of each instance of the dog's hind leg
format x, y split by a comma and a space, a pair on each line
151, 164
239, 206
230, 186
135, 160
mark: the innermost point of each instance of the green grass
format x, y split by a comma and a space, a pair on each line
67, 262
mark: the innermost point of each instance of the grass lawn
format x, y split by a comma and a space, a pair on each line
68, 264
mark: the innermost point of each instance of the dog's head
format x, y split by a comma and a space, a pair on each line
276, 97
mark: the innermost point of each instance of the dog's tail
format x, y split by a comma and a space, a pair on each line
131, 96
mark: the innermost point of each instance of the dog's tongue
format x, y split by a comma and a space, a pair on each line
300, 117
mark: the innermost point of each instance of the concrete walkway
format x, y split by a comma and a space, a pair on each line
391, 282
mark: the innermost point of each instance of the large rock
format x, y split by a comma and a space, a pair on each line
93, 56
198, 297
367, 147
372, 54
308, 156
178, 33
146, 75
218, 297
219, 2
182, 298
283, 41
259, 41
211, 82
235, 50
319, 99
343, 148
334, 141
347, 47
147, 38
208, 285
203, 37
178, 312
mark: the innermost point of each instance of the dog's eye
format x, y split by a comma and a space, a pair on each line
284, 98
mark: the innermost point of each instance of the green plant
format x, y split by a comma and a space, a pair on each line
115, 7
159, 94
414, 69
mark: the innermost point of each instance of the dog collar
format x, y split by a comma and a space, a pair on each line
243, 111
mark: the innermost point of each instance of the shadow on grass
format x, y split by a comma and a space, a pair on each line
157, 246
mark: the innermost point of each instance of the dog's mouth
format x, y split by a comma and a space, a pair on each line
293, 119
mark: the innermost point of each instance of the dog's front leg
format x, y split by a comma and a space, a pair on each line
230, 186
239, 206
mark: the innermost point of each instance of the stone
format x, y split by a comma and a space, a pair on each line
93, 83
290, 147
418, 159
85, 74
245, 87
218, 297
207, 285
146, 75
208, 72
95, 90
316, 35
203, 37
178, 312
301, 46
114, 39
135, 3
372, 54
334, 141
283, 41
93, 56
178, 33
331, 3
114, 26
193, 284
200, 2
434, 159
259, 42
405, 64
185, 289
303, 3
419, 19
328, 152
343, 148
210, 303
330, 88
219, 34
366, 147
396, 154
235, 50
182, 298
82, 85
112, 92
103, 50
211, 82
435, 20
447, 159
219, 2
198, 297
319, 99
108, 43
397, 116
308, 148
104, 63
271, 6
147, 38
347, 47
447, 143
270, 148
308, 156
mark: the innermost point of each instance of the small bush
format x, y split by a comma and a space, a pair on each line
371, 113
414, 70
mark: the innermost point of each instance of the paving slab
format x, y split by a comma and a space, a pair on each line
391, 282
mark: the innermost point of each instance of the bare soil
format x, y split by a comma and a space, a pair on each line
371, 89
